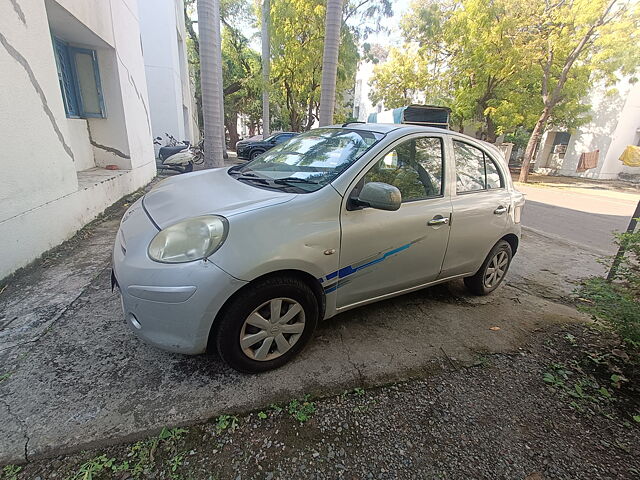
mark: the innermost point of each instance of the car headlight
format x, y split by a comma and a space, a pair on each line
189, 240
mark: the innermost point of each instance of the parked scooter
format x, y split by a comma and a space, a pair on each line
178, 156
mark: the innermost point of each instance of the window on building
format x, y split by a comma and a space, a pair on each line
79, 79
474, 169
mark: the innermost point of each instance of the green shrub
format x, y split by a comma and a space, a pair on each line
615, 306
616, 303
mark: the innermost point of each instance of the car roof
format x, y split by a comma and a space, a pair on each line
409, 128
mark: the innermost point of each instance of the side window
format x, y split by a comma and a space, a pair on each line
282, 138
474, 169
79, 80
414, 167
494, 180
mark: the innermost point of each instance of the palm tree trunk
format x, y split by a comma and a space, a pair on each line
266, 67
211, 82
333, 22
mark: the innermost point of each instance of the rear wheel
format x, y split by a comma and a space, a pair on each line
267, 324
255, 153
493, 270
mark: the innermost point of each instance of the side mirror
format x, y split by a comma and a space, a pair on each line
379, 195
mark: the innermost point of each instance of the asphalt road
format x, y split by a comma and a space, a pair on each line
584, 219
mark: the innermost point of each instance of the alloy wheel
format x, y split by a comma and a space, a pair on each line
272, 329
496, 269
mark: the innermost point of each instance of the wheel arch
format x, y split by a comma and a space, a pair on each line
513, 241
306, 277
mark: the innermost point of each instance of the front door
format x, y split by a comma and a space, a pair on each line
382, 252
480, 209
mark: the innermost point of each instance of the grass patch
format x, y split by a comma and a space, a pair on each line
301, 410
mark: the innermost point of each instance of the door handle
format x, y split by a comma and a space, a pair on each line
500, 210
438, 220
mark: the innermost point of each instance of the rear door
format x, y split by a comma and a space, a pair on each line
480, 205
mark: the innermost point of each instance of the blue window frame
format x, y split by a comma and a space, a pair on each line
79, 78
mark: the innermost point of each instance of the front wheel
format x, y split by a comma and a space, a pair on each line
267, 324
493, 270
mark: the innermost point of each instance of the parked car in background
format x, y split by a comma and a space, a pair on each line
250, 148
248, 259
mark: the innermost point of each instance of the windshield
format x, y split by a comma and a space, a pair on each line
308, 161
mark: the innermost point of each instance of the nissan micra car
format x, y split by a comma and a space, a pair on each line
248, 259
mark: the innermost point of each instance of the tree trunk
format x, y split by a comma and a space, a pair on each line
491, 130
333, 22
529, 152
211, 82
266, 68
232, 128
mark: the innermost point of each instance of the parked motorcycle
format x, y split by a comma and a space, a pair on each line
178, 156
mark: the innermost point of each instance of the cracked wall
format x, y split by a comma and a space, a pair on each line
42, 200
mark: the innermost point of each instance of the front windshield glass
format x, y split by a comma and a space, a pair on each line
308, 161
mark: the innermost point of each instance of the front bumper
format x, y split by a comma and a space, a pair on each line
171, 306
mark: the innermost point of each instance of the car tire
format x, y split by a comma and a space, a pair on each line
261, 350
493, 270
255, 153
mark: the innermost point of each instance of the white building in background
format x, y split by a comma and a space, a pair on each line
362, 105
171, 99
615, 124
73, 101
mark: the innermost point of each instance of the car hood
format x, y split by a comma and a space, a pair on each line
206, 192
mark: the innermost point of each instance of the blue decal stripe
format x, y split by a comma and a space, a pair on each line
349, 270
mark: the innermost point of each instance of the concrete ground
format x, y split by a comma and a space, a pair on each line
73, 375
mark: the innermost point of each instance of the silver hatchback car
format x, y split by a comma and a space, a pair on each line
248, 259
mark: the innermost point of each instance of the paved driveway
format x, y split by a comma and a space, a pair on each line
78, 377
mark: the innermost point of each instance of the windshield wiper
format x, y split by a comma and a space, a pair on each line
287, 181
253, 178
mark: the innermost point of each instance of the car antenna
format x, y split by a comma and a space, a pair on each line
349, 123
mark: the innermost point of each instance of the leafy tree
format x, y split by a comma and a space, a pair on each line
509, 64
242, 84
297, 40
240, 66
399, 80
573, 44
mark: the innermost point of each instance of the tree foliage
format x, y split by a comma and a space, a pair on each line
297, 35
508, 64
240, 66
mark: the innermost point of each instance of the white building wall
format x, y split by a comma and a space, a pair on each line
52, 183
164, 44
615, 124
362, 105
